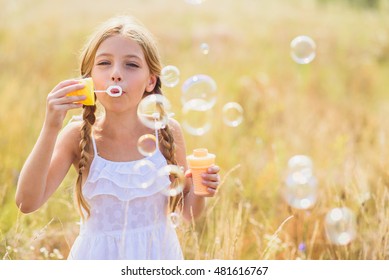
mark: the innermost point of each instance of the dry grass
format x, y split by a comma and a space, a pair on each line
333, 110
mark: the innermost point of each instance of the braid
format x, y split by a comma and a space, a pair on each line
168, 146
168, 149
85, 148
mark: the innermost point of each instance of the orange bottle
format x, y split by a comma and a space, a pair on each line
199, 162
88, 91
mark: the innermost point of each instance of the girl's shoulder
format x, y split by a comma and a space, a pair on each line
175, 126
70, 137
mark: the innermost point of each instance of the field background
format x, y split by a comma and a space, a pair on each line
334, 110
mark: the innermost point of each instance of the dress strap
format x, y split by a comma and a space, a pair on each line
94, 144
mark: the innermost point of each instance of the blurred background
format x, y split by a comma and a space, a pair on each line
297, 108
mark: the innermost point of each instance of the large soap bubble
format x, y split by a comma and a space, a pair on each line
150, 111
197, 117
199, 87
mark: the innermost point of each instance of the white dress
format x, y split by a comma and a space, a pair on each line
128, 217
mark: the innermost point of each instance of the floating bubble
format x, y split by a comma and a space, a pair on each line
196, 117
147, 144
199, 87
232, 114
204, 48
170, 76
300, 193
340, 226
144, 166
177, 185
195, 2
303, 49
301, 167
175, 219
150, 112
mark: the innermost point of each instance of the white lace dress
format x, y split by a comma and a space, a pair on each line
128, 217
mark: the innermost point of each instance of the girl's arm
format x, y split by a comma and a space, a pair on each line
50, 158
193, 205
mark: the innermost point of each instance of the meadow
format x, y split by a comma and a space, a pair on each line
333, 110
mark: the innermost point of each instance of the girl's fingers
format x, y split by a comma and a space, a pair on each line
65, 83
69, 106
210, 177
212, 185
213, 169
66, 100
63, 91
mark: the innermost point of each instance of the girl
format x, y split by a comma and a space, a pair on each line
120, 219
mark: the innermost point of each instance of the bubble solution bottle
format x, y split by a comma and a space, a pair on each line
199, 162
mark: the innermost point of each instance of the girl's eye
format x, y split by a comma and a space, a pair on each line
103, 63
132, 65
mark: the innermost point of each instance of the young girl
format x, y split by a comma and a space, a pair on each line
120, 219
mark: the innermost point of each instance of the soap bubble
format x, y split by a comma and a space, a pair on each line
150, 113
301, 166
196, 117
303, 49
232, 114
170, 76
204, 48
199, 87
175, 219
195, 2
340, 226
142, 167
177, 185
147, 144
300, 192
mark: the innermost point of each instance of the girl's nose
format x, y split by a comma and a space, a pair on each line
116, 78
116, 75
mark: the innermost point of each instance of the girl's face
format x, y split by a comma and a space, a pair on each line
120, 61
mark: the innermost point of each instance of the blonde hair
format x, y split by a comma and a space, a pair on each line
134, 30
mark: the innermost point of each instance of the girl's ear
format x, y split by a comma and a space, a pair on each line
151, 84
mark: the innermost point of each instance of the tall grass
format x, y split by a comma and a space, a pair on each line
333, 110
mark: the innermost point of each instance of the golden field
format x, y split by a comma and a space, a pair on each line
334, 110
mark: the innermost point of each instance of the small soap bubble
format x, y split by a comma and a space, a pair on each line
177, 185
195, 2
340, 226
204, 48
196, 117
150, 112
301, 167
147, 144
175, 219
170, 76
300, 194
199, 87
232, 114
145, 174
303, 49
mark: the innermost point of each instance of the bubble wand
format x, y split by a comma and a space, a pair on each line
114, 91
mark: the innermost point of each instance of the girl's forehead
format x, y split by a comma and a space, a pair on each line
120, 45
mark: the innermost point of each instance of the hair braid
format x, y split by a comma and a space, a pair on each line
168, 147
85, 148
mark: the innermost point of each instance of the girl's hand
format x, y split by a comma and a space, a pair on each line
211, 178
58, 103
